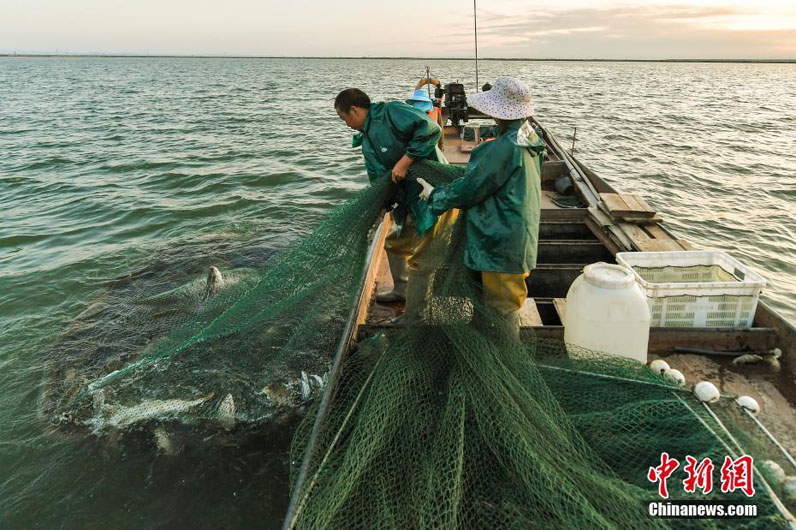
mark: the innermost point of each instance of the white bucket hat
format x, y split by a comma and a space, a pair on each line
509, 99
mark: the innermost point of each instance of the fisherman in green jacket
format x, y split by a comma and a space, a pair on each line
500, 193
393, 135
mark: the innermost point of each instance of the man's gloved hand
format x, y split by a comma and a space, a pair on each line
427, 189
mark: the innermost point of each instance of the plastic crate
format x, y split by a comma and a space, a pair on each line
696, 288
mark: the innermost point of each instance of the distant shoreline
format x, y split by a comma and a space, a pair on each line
138, 56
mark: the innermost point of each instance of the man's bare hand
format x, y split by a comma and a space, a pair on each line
400, 169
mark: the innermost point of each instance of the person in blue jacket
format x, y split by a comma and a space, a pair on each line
500, 194
393, 135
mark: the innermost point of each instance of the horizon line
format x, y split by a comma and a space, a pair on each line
348, 57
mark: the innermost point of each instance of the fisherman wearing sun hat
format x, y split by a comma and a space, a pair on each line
501, 194
421, 101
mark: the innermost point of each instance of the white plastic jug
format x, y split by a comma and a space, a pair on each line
607, 312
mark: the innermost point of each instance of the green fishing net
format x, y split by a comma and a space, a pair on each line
446, 420
450, 420
245, 353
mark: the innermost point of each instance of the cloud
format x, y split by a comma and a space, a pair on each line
633, 32
569, 31
574, 29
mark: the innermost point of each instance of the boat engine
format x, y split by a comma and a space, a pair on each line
455, 101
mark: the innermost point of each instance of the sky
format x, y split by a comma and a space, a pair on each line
565, 29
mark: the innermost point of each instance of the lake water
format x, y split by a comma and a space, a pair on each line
110, 164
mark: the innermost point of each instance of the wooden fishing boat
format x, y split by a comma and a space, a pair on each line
608, 222
603, 223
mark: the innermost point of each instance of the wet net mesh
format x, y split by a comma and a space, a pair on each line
247, 351
449, 419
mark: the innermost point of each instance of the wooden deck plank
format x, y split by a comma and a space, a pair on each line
660, 234
614, 203
553, 169
561, 308
643, 241
454, 155
375, 271
599, 217
632, 204
662, 340
529, 314
626, 204
604, 237
639, 206
641, 220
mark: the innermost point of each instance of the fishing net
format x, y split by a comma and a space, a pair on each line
449, 419
452, 421
249, 350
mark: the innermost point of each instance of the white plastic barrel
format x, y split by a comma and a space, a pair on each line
607, 312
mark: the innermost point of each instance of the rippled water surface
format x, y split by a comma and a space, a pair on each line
108, 165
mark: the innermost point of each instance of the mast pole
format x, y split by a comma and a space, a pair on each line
475, 31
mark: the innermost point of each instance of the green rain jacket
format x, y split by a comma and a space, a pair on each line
391, 130
501, 192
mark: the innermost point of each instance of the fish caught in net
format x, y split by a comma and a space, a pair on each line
239, 351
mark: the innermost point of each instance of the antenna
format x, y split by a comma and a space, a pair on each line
475, 30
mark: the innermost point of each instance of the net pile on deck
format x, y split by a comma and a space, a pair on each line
454, 422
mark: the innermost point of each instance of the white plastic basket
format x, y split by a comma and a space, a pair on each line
696, 288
